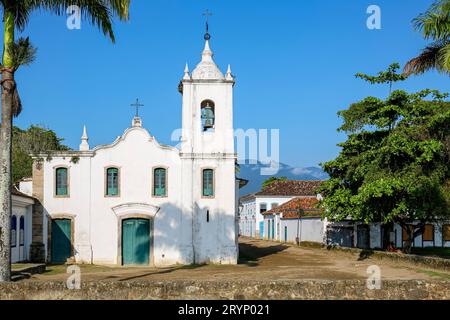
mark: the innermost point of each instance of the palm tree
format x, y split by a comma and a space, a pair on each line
15, 15
434, 25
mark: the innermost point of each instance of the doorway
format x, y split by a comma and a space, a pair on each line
136, 242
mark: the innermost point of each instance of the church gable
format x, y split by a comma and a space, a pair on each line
136, 139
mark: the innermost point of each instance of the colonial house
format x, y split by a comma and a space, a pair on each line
380, 236
21, 226
138, 202
295, 221
253, 206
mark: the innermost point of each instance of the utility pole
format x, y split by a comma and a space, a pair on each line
299, 212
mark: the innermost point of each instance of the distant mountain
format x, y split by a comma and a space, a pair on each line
252, 172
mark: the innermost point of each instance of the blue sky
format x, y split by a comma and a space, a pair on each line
294, 60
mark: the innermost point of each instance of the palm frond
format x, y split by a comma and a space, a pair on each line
428, 59
120, 8
99, 13
435, 22
444, 58
22, 53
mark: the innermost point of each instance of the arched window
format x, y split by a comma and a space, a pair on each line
160, 182
208, 115
62, 182
13, 231
208, 183
22, 231
112, 182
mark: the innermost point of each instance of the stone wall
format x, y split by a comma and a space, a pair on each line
190, 290
37, 248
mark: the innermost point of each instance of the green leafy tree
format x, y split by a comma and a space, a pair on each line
389, 76
16, 14
435, 26
34, 140
272, 180
394, 166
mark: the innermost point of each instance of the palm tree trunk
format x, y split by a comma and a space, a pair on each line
7, 86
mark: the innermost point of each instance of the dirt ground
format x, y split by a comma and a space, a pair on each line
260, 261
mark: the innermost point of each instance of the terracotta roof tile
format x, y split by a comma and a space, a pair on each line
291, 188
288, 209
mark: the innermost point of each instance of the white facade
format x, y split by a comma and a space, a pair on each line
186, 226
21, 226
311, 229
251, 218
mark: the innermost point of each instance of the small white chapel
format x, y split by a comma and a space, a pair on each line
138, 202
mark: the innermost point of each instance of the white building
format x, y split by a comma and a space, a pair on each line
379, 236
21, 226
251, 219
295, 221
135, 201
285, 224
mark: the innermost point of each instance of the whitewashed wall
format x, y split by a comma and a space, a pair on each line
180, 228
309, 229
251, 217
22, 207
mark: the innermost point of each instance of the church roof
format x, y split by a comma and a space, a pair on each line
207, 68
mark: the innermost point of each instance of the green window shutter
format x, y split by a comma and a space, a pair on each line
159, 182
61, 182
208, 183
112, 182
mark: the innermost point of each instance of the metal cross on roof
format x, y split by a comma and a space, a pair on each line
137, 105
207, 14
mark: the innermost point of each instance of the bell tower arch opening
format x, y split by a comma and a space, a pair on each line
208, 115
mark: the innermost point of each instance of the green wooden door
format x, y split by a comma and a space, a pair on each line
61, 240
135, 242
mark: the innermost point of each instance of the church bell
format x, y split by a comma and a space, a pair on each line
208, 117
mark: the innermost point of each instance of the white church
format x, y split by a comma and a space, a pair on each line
138, 202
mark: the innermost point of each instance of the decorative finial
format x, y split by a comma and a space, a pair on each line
207, 14
84, 136
84, 146
229, 76
186, 73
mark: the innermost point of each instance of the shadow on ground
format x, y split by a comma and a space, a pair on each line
250, 254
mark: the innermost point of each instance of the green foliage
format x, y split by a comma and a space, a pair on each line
34, 140
389, 76
435, 22
75, 159
395, 164
271, 180
435, 26
98, 12
22, 53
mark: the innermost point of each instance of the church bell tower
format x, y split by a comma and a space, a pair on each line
207, 106
208, 161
